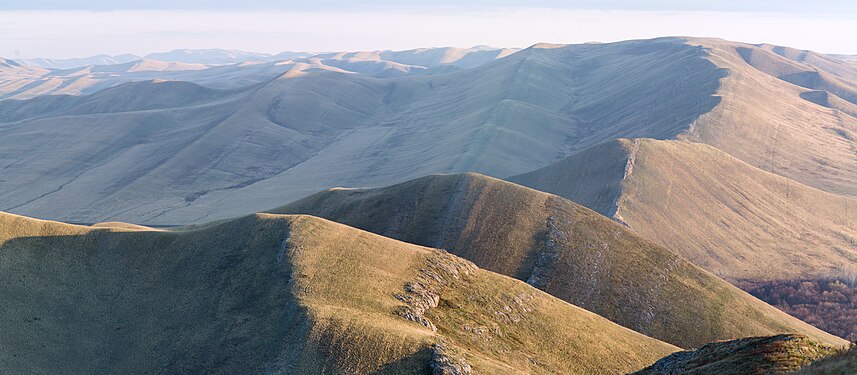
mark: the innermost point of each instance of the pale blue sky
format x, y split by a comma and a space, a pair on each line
62, 28
784, 6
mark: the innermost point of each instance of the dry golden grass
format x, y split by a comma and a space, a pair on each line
722, 214
764, 119
277, 293
562, 248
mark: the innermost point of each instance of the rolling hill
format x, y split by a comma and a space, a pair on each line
562, 248
768, 119
508, 116
280, 294
292, 128
642, 177
724, 215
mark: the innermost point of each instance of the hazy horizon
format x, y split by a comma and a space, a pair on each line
55, 29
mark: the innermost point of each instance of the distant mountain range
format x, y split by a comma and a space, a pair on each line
188, 56
78, 62
229, 69
423, 57
236, 138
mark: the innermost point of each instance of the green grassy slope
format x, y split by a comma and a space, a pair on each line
275, 293
562, 248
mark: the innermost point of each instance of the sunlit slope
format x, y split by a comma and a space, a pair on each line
280, 294
770, 115
724, 215
562, 248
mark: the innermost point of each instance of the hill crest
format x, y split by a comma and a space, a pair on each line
744, 224
560, 247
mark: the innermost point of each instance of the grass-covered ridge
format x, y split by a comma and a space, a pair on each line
268, 293
562, 248
724, 215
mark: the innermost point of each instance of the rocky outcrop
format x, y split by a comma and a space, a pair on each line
441, 271
444, 361
544, 268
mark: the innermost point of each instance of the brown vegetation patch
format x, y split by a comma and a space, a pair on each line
829, 304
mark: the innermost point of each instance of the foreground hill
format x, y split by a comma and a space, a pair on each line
562, 248
724, 215
280, 294
843, 363
377, 118
754, 355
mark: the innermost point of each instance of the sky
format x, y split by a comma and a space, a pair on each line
79, 28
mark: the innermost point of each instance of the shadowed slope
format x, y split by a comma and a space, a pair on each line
129, 97
279, 294
562, 248
724, 215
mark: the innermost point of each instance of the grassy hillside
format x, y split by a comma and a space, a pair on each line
724, 215
280, 294
754, 355
769, 115
562, 248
